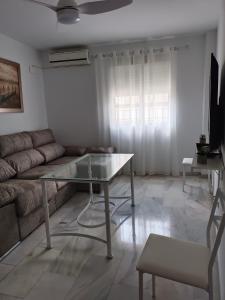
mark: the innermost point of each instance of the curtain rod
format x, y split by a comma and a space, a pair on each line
140, 50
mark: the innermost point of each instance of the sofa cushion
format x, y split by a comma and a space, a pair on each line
7, 193
13, 143
37, 172
25, 160
51, 151
40, 171
42, 137
75, 150
6, 171
29, 195
62, 160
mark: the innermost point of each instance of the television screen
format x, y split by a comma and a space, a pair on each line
222, 104
215, 130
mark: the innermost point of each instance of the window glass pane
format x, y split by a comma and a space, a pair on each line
144, 97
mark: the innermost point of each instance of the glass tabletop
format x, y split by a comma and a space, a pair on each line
90, 168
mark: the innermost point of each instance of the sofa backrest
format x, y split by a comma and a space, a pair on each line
13, 143
44, 142
21, 150
41, 137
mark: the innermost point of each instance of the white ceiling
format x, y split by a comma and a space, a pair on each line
36, 25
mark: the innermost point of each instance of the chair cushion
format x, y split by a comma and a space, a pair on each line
6, 171
42, 137
62, 160
29, 195
25, 160
13, 143
7, 193
177, 260
51, 151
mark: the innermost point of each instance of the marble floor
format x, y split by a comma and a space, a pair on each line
76, 268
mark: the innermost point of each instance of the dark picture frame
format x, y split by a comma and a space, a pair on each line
11, 97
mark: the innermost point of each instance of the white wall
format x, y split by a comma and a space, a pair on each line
71, 96
71, 104
34, 115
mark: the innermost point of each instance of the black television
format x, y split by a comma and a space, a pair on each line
215, 113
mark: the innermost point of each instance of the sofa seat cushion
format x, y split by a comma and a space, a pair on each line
7, 193
41, 137
40, 171
62, 160
25, 160
13, 143
37, 172
51, 151
6, 171
29, 195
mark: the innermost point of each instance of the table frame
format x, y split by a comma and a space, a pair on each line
105, 184
213, 164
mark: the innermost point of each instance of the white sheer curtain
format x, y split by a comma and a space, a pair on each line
136, 94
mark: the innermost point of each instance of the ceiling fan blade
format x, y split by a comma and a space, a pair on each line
99, 7
52, 7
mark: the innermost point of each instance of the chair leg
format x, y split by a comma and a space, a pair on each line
184, 176
210, 296
210, 290
153, 286
210, 183
140, 285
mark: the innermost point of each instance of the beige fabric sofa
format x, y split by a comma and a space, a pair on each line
24, 158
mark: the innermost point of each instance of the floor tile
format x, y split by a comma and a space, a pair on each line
25, 275
6, 297
4, 270
95, 279
125, 292
76, 268
51, 286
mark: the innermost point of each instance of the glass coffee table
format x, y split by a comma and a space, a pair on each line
92, 169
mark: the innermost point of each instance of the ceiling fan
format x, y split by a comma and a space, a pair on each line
68, 12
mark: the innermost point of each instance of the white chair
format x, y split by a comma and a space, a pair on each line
183, 261
186, 162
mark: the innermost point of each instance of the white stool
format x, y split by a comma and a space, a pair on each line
187, 162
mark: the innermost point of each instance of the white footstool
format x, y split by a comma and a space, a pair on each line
187, 162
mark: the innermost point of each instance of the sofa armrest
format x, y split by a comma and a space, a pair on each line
74, 150
109, 149
8, 193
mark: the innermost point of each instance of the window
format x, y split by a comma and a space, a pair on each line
151, 108
141, 93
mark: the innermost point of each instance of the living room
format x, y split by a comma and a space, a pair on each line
152, 61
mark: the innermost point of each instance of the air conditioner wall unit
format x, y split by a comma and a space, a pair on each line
69, 57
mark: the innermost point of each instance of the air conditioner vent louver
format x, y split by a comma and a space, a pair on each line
69, 57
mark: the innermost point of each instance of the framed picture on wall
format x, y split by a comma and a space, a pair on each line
11, 99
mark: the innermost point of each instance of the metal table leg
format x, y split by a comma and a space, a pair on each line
46, 213
132, 182
107, 220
